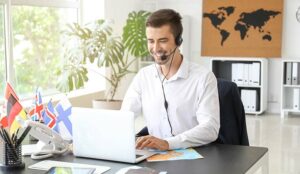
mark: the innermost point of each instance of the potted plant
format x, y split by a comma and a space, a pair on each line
96, 43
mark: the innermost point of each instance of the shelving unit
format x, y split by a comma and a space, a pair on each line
223, 68
289, 89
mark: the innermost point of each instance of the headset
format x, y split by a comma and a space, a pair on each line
178, 42
178, 39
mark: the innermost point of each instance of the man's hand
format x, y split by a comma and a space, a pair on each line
151, 142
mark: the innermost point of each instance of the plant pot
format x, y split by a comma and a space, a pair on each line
103, 104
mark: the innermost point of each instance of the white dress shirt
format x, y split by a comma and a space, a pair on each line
193, 104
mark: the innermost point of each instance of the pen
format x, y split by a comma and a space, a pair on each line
16, 136
1, 134
23, 135
9, 143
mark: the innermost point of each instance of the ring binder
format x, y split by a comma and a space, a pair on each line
11, 157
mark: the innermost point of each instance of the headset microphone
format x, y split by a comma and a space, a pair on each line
164, 56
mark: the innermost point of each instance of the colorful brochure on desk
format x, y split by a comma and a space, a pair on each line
178, 154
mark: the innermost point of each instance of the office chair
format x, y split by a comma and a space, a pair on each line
233, 129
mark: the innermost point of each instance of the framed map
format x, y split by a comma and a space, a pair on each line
242, 28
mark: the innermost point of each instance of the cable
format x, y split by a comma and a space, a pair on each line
163, 90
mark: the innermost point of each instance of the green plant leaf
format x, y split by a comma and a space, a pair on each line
134, 34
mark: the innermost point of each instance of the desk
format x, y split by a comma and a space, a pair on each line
218, 158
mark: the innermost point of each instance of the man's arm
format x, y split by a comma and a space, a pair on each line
132, 100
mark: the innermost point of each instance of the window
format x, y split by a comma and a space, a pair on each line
35, 42
2, 52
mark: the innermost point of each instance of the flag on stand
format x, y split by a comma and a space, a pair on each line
37, 113
64, 110
13, 109
49, 116
3, 117
3, 120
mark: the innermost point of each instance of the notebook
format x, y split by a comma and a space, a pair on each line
105, 134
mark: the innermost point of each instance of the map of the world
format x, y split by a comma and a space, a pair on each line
243, 28
255, 20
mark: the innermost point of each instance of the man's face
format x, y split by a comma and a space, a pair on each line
160, 42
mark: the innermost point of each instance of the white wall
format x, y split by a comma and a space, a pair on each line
290, 45
193, 9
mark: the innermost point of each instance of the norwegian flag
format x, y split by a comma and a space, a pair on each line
49, 117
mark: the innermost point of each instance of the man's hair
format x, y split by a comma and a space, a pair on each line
166, 17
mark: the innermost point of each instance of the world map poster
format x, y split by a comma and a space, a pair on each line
242, 28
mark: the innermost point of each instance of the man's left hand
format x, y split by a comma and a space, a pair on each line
151, 142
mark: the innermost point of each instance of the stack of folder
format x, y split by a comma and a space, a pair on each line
292, 73
292, 77
246, 74
250, 100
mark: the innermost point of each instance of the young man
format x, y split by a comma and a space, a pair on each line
178, 99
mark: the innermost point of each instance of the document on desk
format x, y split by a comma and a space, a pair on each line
178, 154
47, 164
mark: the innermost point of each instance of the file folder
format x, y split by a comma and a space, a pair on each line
256, 74
288, 75
253, 100
234, 69
295, 73
246, 75
240, 73
296, 101
250, 74
244, 97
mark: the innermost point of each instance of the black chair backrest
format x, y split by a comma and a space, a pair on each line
233, 129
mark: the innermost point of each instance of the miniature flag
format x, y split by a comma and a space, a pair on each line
15, 125
3, 120
64, 110
49, 117
13, 108
3, 117
37, 113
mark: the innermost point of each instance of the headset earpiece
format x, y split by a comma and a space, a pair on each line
178, 40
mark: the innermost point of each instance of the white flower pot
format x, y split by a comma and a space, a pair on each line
103, 104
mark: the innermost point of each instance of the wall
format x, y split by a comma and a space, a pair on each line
193, 9
290, 46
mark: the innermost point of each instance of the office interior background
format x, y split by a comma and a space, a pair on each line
280, 134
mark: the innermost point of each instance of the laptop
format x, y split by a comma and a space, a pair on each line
105, 134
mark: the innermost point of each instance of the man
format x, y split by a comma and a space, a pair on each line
178, 99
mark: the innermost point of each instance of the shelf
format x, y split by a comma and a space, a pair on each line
245, 86
290, 87
291, 110
250, 75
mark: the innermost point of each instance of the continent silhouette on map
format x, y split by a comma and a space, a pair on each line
218, 17
256, 19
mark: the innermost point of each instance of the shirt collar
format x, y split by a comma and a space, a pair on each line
183, 70
181, 73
